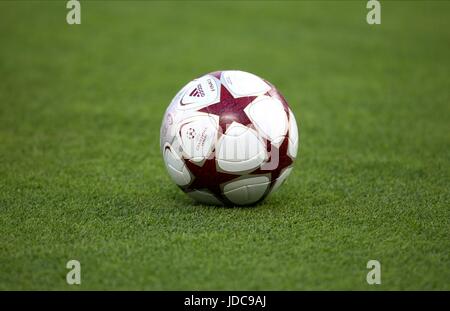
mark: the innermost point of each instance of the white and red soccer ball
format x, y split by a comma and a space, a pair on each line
229, 137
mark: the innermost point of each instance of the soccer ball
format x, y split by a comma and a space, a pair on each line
229, 138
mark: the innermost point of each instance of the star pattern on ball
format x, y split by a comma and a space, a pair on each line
284, 160
208, 177
230, 109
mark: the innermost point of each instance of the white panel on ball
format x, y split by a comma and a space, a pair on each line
240, 149
197, 136
246, 190
200, 93
176, 167
204, 197
269, 117
293, 136
241, 83
170, 126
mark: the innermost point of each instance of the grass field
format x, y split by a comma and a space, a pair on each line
81, 175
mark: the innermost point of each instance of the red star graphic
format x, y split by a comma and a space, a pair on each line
207, 177
284, 161
230, 109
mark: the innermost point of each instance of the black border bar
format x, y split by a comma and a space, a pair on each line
273, 300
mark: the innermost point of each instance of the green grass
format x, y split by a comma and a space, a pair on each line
81, 175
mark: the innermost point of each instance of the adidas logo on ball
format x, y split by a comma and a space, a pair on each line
197, 92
